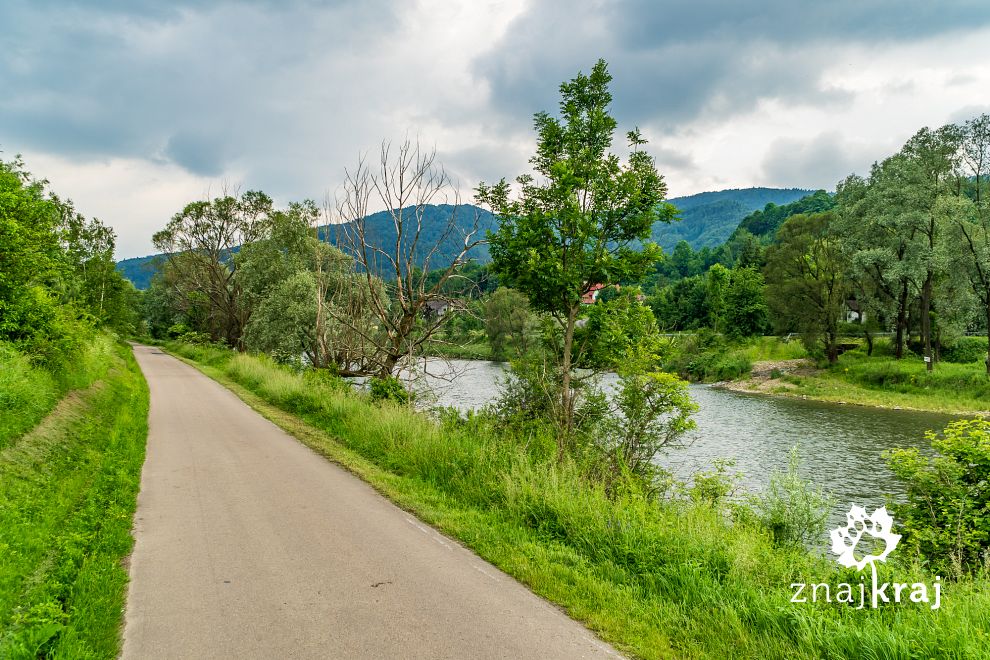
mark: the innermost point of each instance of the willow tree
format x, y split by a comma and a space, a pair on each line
581, 220
200, 245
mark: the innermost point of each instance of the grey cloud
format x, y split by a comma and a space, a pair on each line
819, 162
675, 61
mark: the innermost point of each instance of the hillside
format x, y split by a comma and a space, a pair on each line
765, 222
380, 230
708, 219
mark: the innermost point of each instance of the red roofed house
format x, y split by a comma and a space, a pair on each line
591, 297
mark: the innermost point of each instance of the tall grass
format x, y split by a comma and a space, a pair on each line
67, 496
660, 579
28, 391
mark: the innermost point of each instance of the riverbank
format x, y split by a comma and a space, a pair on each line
658, 578
775, 366
880, 382
71, 451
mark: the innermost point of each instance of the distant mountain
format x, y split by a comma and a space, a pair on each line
708, 219
139, 270
379, 230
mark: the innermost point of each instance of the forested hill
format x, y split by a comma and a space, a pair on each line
708, 219
765, 222
381, 230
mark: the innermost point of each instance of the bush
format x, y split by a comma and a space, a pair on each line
946, 516
966, 350
791, 509
389, 388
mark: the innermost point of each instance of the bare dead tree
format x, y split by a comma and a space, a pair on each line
396, 252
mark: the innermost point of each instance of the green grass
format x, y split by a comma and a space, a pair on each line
29, 392
883, 381
659, 579
68, 489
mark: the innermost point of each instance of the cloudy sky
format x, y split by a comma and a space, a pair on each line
134, 107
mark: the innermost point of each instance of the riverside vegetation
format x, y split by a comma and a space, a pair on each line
688, 573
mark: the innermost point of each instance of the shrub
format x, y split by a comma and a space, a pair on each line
389, 388
791, 509
946, 516
966, 350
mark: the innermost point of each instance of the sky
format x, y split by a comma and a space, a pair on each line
133, 108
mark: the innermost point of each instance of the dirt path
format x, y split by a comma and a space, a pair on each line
249, 545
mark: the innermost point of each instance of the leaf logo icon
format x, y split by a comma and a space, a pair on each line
877, 525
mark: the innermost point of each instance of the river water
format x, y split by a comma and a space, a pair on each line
841, 446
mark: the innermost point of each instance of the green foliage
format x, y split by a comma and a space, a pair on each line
582, 223
618, 329
389, 389
716, 286
578, 225
653, 412
806, 285
31, 264
706, 357
791, 508
947, 516
708, 219
69, 491
507, 323
966, 350
766, 222
746, 312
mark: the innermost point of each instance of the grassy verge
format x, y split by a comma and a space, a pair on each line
479, 351
659, 579
67, 496
889, 383
28, 393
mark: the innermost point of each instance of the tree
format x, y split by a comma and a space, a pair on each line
746, 312
716, 285
929, 165
200, 244
399, 284
973, 227
618, 328
805, 284
31, 258
581, 222
507, 320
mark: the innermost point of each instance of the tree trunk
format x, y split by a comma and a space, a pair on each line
831, 347
926, 321
901, 321
988, 333
566, 400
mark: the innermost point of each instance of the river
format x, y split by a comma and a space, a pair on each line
841, 446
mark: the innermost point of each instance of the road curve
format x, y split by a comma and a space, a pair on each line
250, 545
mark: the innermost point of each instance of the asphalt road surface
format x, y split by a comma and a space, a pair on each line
250, 545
